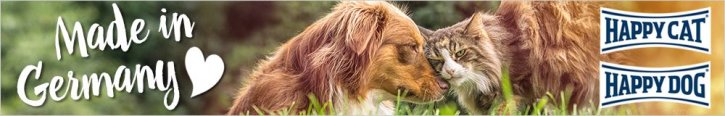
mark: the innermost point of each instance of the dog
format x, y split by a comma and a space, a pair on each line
360, 54
553, 47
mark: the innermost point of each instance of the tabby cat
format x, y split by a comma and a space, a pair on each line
465, 56
548, 47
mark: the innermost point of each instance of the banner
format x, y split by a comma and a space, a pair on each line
362, 58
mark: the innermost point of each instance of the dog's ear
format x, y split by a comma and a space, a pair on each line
364, 28
475, 25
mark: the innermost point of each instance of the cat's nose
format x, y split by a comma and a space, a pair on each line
442, 84
449, 72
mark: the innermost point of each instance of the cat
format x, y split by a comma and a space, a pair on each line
548, 47
470, 61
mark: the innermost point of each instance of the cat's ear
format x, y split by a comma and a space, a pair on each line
425, 32
475, 25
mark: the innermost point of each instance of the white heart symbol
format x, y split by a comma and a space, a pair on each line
204, 74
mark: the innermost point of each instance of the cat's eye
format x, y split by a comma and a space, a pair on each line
436, 64
460, 53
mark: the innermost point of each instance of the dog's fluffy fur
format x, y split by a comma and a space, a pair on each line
553, 46
358, 52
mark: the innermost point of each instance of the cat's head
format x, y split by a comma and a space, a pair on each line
464, 55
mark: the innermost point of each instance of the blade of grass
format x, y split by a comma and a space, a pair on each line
259, 112
540, 106
507, 92
314, 105
563, 104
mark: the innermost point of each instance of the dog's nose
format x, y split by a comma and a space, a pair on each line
442, 84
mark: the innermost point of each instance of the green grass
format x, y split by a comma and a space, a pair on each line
543, 106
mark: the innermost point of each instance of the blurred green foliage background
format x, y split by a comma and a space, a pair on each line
242, 33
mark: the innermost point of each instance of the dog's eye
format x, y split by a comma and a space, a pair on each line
414, 48
406, 54
460, 53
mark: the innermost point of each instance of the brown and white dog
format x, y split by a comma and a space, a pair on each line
357, 56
